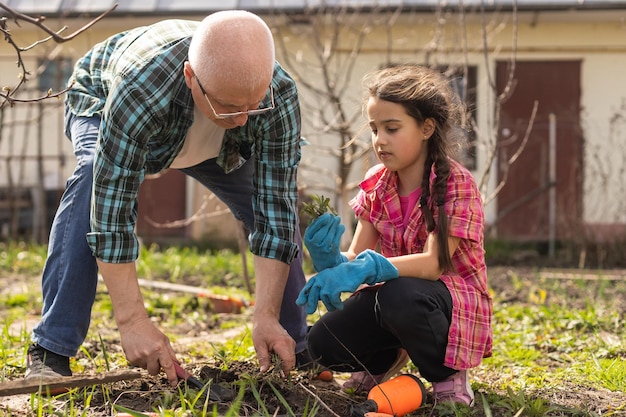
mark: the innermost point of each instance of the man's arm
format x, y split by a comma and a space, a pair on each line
267, 333
277, 153
144, 345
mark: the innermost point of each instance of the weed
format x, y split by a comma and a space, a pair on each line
532, 407
239, 348
611, 373
318, 206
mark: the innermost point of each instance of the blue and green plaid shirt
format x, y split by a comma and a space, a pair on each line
134, 81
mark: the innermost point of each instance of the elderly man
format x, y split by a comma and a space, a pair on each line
206, 98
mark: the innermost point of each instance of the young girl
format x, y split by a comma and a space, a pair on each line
427, 293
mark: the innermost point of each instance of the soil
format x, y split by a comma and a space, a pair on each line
279, 396
273, 394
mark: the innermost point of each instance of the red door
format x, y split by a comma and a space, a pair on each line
526, 208
161, 202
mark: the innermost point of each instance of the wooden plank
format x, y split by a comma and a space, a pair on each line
61, 384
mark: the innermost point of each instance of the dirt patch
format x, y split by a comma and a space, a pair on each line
258, 394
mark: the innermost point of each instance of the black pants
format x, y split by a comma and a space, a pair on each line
408, 313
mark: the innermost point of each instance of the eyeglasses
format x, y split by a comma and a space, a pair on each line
237, 113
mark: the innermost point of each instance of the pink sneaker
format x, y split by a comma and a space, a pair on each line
363, 382
456, 389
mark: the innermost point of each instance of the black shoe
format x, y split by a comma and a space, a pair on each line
42, 363
305, 363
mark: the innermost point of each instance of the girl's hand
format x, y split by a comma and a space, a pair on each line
323, 238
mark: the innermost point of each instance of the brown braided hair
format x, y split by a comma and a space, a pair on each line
426, 93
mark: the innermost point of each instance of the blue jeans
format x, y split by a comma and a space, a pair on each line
70, 274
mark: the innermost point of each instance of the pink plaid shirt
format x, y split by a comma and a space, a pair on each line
470, 334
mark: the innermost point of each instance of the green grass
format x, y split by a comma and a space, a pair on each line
221, 268
21, 258
550, 337
533, 335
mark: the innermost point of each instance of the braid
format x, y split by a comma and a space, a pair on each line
442, 170
428, 215
437, 158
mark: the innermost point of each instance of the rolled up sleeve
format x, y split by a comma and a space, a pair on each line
121, 153
277, 153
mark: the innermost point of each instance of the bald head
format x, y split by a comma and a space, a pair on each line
233, 47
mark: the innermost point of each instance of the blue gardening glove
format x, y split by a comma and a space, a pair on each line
369, 267
322, 238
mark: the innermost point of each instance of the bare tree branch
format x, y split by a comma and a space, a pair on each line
8, 93
334, 43
199, 214
39, 22
505, 163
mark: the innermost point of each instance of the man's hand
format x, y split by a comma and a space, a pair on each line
147, 347
144, 345
323, 238
268, 336
271, 338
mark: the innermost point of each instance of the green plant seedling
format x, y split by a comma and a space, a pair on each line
318, 206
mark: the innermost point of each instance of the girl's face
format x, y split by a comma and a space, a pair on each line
398, 140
